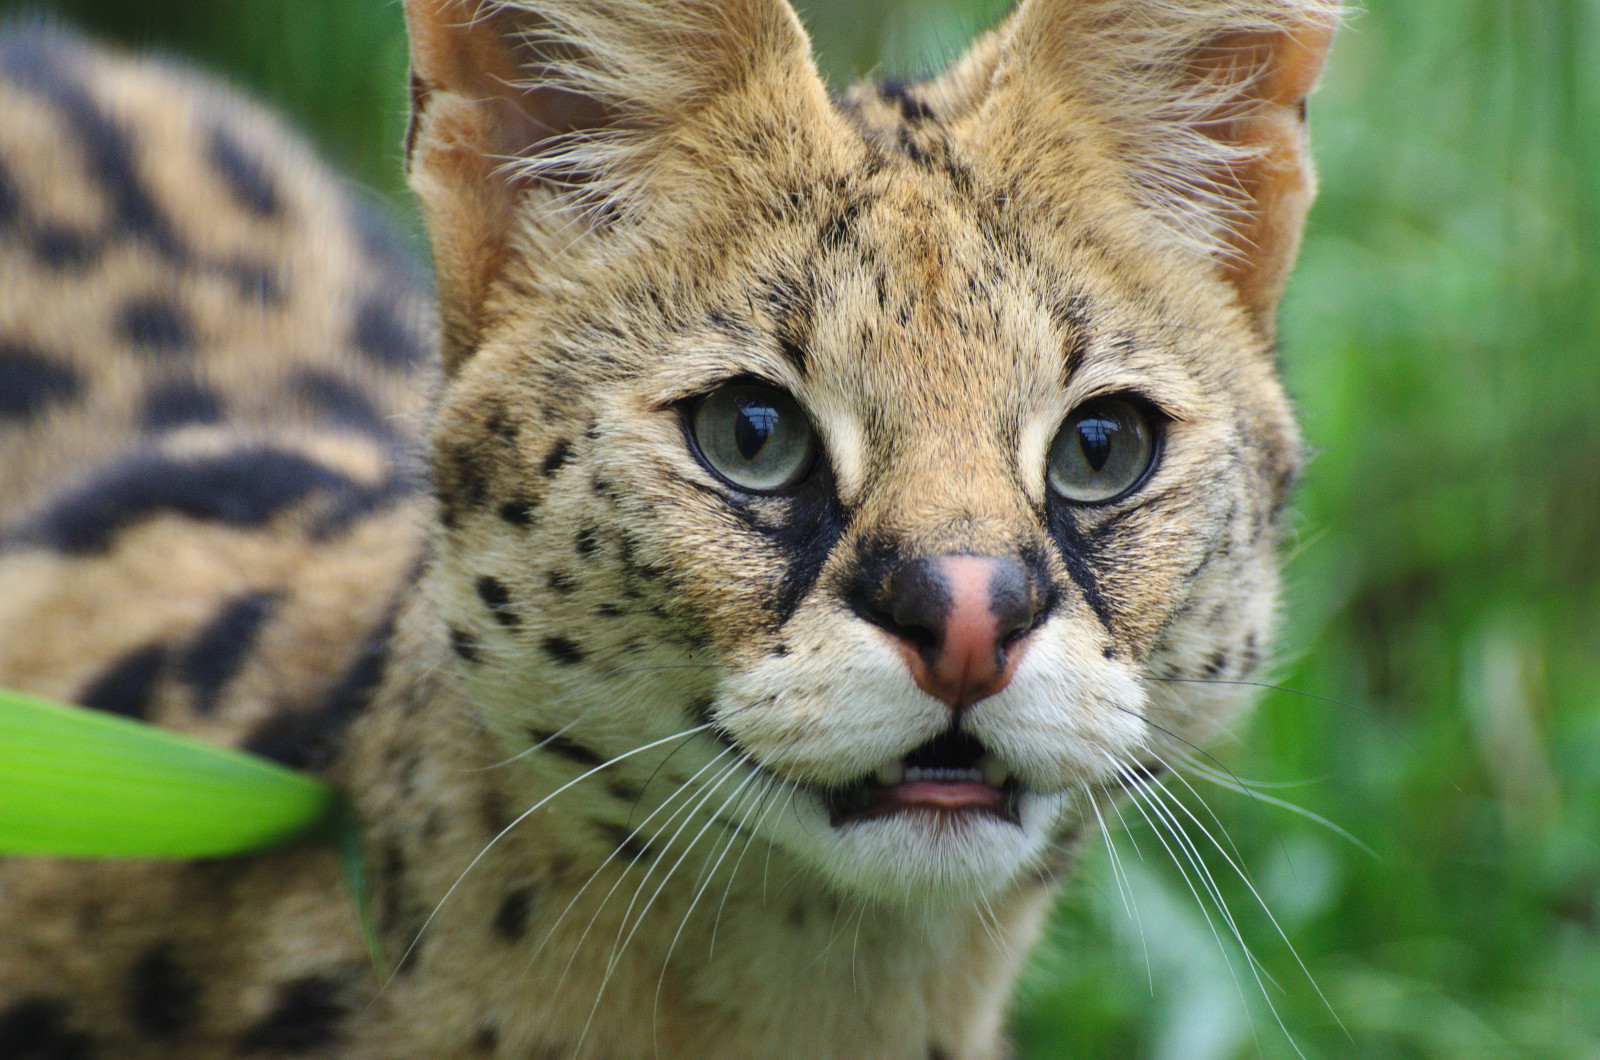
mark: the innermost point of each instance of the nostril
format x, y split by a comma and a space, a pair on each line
919, 603
1011, 601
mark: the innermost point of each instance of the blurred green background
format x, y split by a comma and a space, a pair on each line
1444, 588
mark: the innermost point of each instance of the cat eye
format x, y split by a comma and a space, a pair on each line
1102, 451
754, 435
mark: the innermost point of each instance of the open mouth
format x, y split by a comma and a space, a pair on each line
950, 774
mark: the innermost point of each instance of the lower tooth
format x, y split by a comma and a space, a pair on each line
890, 775
994, 772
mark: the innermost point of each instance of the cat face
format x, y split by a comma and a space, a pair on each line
919, 450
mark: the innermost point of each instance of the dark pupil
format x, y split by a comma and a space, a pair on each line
1095, 436
755, 426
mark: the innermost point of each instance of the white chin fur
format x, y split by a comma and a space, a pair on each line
924, 856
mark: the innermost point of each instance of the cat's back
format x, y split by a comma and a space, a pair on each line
210, 351
212, 358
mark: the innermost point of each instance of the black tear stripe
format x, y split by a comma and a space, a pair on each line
309, 1014
220, 650
32, 382
37, 1028
312, 739
808, 524
163, 995
128, 686
244, 488
1077, 553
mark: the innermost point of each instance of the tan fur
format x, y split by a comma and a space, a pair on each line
631, 203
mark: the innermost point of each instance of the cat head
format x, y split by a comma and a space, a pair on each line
922, 445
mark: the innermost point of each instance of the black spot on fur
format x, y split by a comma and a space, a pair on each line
464, 644
511, 919
163, 995
384, 335
609, 611
898, 92
62, 248
310, 739
559, 454
242, 488
563, 651
309, 1015
936, 1053
486, 1041
221, 648
587, 541
129, 685
497, 598
519, 513
498, 425
30, 382
1216, 663
157, 324
256, 281
180, 402
561, 582
621, 790
492, 811
569, 749
244, 174
45, 63
624, 841
36, 1028
10, 199
340, 402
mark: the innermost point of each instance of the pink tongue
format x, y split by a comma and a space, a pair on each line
944, 795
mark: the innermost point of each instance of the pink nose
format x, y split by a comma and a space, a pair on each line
958, 621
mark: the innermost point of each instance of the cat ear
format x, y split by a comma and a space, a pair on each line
1201, 105
558, 119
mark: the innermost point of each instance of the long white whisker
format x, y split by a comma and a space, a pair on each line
1256, 894
1253, 791
709, 875
687, 807
1153, 797
524, 815
1130, 904
765, 803
1132, 788
616, 852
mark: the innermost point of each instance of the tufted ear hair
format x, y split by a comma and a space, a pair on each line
1201, 104
543, 122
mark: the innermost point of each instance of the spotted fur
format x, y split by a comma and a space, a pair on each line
591, 701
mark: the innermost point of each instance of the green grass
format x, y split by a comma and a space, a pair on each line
1439, 339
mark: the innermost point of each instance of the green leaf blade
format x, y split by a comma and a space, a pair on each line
81, 783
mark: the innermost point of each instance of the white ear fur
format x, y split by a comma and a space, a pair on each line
1203, 104
584, 102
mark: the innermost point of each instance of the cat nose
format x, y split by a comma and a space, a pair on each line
959, 621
